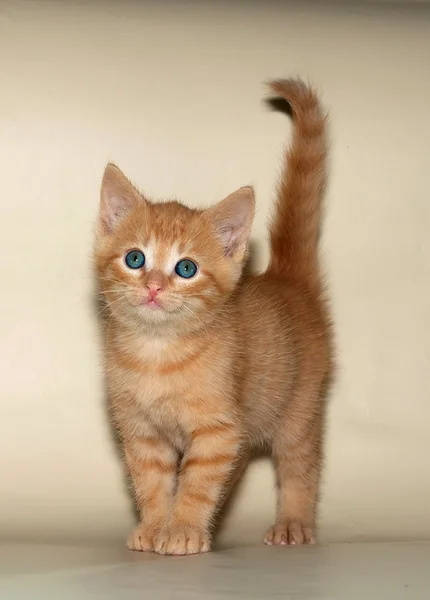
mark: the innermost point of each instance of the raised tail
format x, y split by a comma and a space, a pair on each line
295, 227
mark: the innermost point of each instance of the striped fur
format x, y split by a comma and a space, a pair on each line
227, 362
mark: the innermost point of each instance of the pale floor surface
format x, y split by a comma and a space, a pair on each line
386, 571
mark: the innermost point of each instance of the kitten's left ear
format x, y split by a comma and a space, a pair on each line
232, 219
118, 198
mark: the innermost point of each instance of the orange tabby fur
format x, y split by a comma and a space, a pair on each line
228, 362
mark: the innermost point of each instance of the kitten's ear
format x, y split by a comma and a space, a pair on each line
232, 219
118, 197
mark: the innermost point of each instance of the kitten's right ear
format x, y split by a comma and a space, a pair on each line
118, 197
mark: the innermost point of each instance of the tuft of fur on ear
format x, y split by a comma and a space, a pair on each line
232, 219
118, 197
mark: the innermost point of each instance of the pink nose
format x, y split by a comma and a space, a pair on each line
153, 289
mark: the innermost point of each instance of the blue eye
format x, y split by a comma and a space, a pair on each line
186, 268
135, 259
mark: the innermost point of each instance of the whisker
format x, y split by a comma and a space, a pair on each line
112, 290
192, 313
110, 304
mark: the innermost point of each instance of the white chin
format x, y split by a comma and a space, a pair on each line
153, 313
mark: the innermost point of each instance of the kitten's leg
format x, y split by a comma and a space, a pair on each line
297, 450
207, 466
237, 473
152, 464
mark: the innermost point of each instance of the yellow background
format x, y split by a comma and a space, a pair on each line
172, 92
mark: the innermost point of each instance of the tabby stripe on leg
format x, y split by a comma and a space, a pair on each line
211, 461
198, 497
212, 430
155, 464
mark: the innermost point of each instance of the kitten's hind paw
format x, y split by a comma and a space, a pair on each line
289, 534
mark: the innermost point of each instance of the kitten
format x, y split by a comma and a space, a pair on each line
205, 362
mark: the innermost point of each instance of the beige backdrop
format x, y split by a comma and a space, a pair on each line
173, 94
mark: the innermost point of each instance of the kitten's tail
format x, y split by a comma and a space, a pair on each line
295, 227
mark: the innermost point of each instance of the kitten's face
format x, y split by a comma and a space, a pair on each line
165, 265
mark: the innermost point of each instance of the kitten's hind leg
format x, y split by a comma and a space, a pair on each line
297, 452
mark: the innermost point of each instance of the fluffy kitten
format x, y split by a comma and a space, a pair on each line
205, 362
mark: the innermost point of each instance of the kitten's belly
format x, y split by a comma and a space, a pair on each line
268, 387
270, 357
264, 402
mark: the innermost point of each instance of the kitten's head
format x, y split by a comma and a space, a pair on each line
163, 264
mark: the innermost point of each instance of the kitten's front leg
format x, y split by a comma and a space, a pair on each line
206, 470
152, 464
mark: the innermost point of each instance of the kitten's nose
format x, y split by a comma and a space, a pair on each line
153, 289
155, 282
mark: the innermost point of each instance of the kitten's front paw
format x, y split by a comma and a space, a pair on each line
181, 540
289, 534
141, 539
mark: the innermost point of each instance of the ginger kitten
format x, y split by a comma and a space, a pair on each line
205, 362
